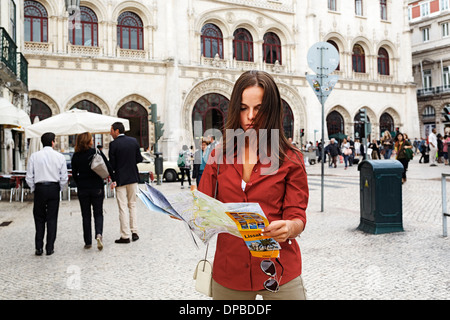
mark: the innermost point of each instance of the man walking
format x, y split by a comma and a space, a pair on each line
124, 155
46, 176
432, 142
333, 150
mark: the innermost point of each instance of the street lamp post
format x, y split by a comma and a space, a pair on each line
323, 59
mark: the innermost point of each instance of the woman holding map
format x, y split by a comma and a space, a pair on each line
256, 163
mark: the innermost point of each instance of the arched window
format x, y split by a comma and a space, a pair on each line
138, 117
130, 31
272, 48
383, 62
211, 109
242, 45
36, 22
337, 48
91, 107
211, 41
87, 33
335, 124
87, 105
386, 123
358, 59
39, 109
288, 120
359, 126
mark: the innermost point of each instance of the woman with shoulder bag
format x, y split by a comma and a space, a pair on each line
346, 151
248, 174
90, 188
401, 145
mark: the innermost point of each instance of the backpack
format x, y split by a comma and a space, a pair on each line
181, 160
422, 147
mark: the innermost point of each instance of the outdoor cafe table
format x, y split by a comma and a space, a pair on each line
19, 179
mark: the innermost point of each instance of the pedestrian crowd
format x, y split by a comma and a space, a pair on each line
433, 149
47, 176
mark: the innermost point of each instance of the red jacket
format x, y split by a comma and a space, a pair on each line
283, 195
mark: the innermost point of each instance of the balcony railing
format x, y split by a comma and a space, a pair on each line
8, 51
22, 70
433, 91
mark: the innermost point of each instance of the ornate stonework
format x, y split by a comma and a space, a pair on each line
45, 99
91, 97
132, 97
210, 85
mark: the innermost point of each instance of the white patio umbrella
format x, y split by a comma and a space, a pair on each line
73, 122
13, 116
35, 143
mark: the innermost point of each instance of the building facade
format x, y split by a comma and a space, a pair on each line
13, 87
119, 57
430, 23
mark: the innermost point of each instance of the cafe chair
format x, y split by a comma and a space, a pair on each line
71, 186
7, 184
25, 189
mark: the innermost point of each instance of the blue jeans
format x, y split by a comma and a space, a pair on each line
346, 160
387, 153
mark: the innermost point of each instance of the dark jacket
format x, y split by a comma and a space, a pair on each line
401, 154
124, 155
84, 177
333, 149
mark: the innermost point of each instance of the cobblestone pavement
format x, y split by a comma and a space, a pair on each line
339, 262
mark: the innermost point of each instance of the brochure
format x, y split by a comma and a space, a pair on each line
206, 217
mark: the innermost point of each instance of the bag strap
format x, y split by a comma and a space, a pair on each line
92, 156
215, 197
217, 181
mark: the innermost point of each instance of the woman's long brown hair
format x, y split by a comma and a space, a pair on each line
269, 116
83, 141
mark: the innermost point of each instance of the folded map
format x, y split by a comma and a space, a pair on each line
206, 217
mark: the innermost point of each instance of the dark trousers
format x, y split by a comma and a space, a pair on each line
405, 163
188, 174
45, 212
91, 198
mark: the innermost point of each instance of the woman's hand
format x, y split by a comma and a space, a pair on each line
282, 230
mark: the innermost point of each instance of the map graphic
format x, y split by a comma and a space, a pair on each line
206, 217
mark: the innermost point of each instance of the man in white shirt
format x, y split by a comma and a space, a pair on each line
432, 142
46, 176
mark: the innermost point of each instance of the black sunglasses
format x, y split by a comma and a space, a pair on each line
268, 267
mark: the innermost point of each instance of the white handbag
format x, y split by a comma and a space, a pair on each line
98, 165
203, 270
203, 277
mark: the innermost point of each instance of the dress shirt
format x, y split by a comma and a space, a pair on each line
282, 196
432, 139
46, 165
